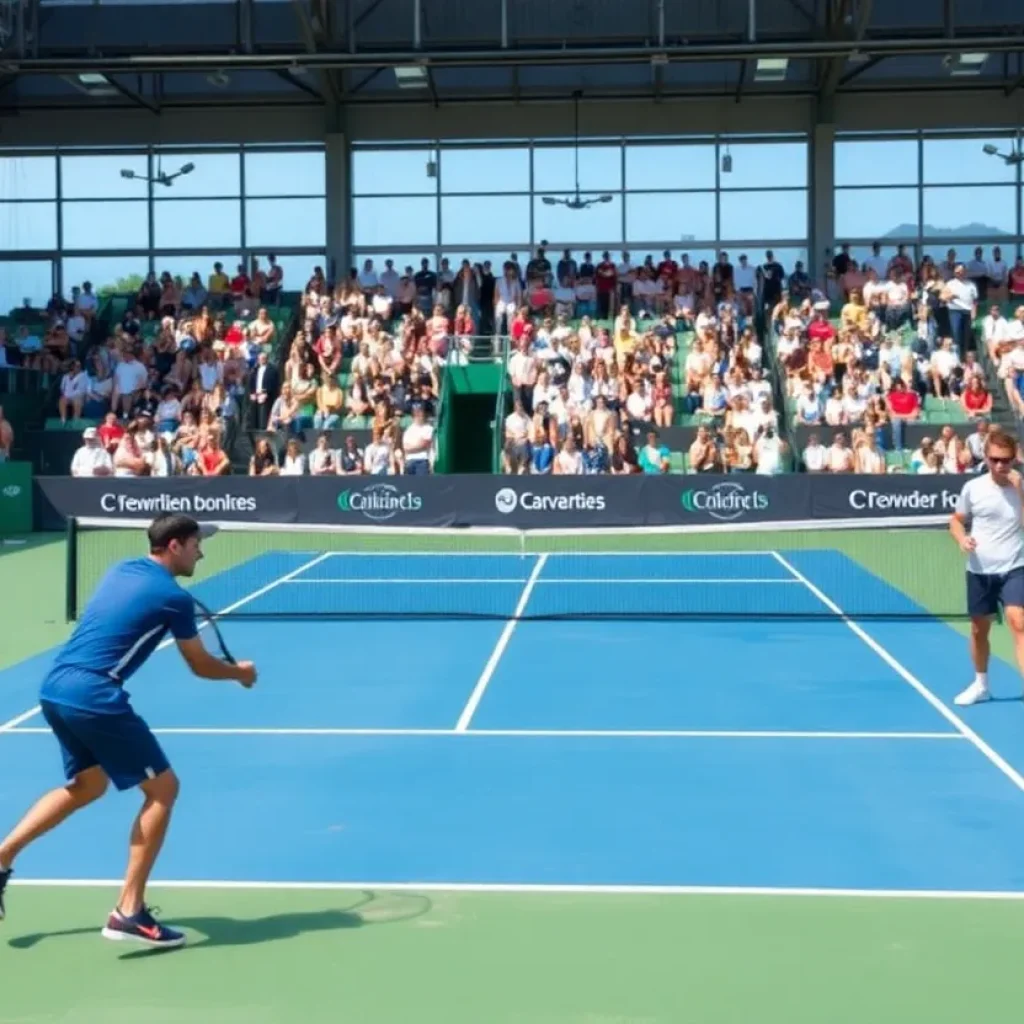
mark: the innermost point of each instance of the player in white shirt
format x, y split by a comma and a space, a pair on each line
987, 526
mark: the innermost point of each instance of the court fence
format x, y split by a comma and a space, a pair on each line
517, 503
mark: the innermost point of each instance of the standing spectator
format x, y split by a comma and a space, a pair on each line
654, 457
517, 439
607, 280
264, 385
961, 298
815, 456
904, 407
321, 459
416, 443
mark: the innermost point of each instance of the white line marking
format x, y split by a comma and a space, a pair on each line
955, 720
446, 554
499, 649
530, 888
642, 734
562, 581
32, 712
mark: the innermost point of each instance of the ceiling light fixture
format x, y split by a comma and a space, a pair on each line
576, 201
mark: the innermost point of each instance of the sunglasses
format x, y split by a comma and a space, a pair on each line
995, 460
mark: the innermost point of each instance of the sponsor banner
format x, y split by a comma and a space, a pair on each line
520, 502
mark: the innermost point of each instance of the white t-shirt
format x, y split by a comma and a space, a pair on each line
993, 514
417, 434
743, 276
90, 458
130, 377
815, 456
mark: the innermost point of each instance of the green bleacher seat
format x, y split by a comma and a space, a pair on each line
677, 462
54, 423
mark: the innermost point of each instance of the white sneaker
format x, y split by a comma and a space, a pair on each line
974, 694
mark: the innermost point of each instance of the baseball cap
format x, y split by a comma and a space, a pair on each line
89, 433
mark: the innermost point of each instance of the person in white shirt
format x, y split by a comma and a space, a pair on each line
368, 277
92, 459
74, 386
987, 527
87, 303
417, 442
389, 279
815, 455
321, 458
840, 458
569, 461
961, 298
943, 362
745, 281
994, 330
294, 462
378, 458
768, 450
877, 262
129, 380
897, 300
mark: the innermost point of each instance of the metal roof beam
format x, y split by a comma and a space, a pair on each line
135, 97
309, 37
834, 69
695, 52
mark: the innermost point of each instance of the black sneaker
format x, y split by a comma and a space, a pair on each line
144, 928
5, 877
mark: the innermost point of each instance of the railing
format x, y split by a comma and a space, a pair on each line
498, 435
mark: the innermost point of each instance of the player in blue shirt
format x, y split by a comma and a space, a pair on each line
101, 737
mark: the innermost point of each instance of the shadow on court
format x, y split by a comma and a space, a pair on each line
371, 909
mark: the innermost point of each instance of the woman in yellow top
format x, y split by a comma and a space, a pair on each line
624, 338
855, 313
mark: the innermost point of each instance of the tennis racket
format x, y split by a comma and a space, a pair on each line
210, 619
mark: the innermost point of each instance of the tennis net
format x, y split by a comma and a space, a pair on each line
274, 571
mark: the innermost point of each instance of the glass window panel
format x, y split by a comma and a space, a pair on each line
197, 224
766, 165
876, 213
213, 174
964, 249
107, 273
769, 215
296, 173
554, 168
600, 224
25, 279
970, 212
670, 166
92, 224
395, 220
28, 226
485, 220
485, 170
28, 177
185, 266
286, 223
670, 217
949, 161
876, 162
400, 172
99, 177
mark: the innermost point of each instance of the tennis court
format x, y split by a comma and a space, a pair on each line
661, 777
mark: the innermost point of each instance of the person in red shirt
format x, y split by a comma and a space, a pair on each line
213, 460
111, 432
607, 281
668, 268
519, 323
976, 399
240, 283
819, 329
904, 407
1017, 280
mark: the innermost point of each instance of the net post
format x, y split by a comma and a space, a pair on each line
71, 570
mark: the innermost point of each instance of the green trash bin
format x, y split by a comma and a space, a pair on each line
15, 498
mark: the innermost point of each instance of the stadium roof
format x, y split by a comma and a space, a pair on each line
115, 53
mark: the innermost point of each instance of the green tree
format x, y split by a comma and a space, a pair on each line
129, 285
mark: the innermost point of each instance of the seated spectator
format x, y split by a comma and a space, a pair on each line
92, 459
840, 458
815, 455
6, 437
569, 460
653, 456
703, 455
769, 450
867, 457
351, 458
74, 387
129, 458
379, 457
321, 458
976, 398
263, 461
294, 462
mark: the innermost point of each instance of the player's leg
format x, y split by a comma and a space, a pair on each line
1013, 612
86, 782
132, 757
982, 606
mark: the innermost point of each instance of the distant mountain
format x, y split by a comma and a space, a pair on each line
967, 232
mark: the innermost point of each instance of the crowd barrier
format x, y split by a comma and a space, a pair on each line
518, 502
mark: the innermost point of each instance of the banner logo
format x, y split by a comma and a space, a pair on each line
726, 501
506, 500
379, 502
11, 491
863, 500
164, 501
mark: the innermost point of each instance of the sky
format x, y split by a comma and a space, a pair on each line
484, 203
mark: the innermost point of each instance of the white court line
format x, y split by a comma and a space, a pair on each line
908, 677
557, 581
530, 889
703, 553
13, 723
642, 734
499, 649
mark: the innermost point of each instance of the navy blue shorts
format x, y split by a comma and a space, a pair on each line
121, 744
985, 593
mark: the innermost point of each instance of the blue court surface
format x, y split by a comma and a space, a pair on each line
748, 753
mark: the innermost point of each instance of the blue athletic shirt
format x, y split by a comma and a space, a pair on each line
136, 604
